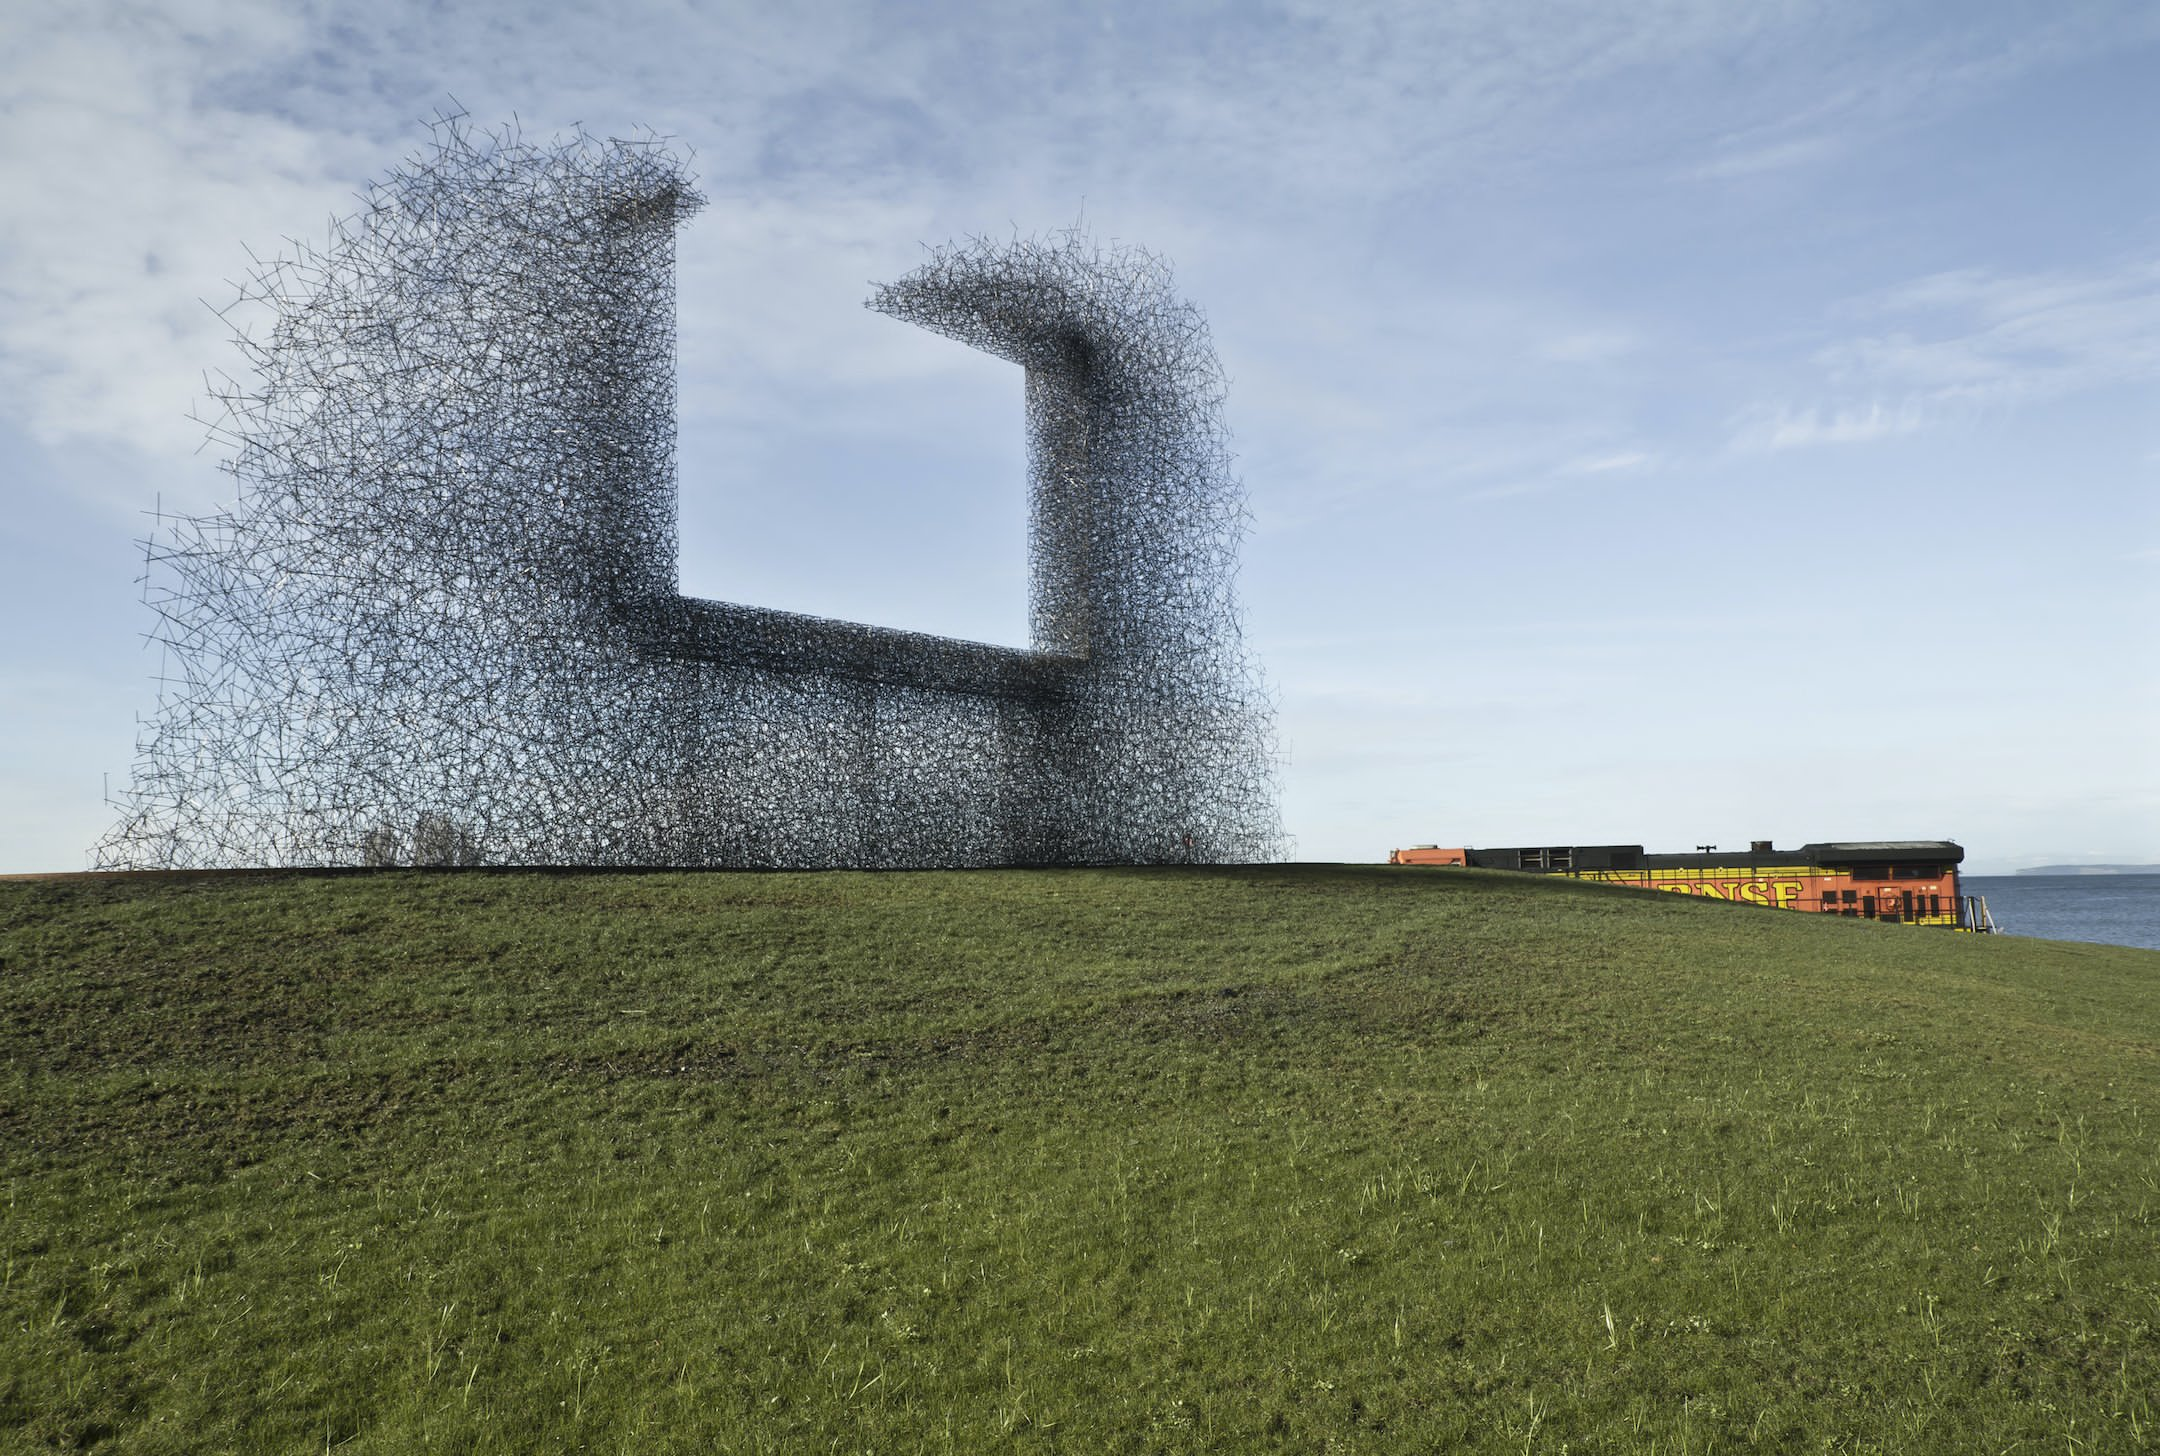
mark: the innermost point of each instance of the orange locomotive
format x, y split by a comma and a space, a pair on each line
1903, 882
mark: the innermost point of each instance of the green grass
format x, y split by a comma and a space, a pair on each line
1301, 1159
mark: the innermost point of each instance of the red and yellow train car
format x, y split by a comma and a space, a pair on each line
1899, 882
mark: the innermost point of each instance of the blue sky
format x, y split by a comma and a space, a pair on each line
1671, 423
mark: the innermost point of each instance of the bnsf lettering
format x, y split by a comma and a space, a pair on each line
1741, 892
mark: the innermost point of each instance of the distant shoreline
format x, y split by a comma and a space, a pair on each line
2090, 869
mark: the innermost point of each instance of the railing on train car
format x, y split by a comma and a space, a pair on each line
1906, 907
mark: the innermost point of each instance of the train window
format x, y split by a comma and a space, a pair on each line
1851, 895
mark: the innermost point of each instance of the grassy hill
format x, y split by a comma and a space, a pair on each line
1294, 1158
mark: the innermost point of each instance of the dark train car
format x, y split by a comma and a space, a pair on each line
1899, 882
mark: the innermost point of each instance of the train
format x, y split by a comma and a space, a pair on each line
1893, 882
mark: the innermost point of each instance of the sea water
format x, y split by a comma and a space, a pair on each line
2112, 909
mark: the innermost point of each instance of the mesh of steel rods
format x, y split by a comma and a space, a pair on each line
440, 622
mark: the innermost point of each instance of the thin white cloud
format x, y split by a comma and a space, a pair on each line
1792, 429
123, 190
1592, 346
1871, 73
1955, 342
1607, 464
1979, 334
1773, 157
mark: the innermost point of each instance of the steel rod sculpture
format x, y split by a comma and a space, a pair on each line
440, 623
